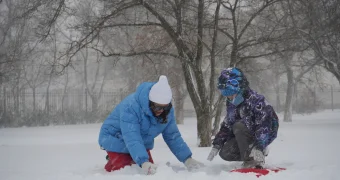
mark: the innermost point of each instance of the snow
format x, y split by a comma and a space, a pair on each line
308, 147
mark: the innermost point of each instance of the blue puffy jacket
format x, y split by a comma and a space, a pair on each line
131, 128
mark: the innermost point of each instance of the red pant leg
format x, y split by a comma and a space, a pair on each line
150, 157
120, 160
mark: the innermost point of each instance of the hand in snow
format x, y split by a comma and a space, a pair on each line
192, 164
213, 153
149, 168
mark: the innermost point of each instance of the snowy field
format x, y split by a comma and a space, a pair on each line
309, 148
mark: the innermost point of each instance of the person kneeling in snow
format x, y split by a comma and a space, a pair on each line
128, 133
250, 125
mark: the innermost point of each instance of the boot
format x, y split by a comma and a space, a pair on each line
253, 164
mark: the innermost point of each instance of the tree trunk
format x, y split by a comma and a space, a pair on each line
289, 96
94, 100
34, 109
64, 92
23, 100
4, 103
179, 99
336, 74
47, 102
179, 110
277, 93
203, 129
16, 93
233, 55
278, 101
33, 90
17, 99
216, 125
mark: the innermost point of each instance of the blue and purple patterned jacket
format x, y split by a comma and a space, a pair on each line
258, 116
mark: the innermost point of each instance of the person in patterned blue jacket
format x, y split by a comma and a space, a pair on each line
128, 133
251, 123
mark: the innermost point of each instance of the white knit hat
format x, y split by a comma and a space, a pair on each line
161, 92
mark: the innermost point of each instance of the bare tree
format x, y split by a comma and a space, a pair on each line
64, 91
293, 81
16, 45
51, 68
246, 27
188, 33
93, 90
179, 90
194, 32
317, 23
299, 46
45, 12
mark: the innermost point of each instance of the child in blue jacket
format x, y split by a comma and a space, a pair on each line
250, 125
128, 132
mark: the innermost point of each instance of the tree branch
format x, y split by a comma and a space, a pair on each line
173, 6
76, 46
212, 58
147, 52
199, 39
266, 4
298, 77
226, 33
182, 49
172, 33
54, 19
134, 25
255, 56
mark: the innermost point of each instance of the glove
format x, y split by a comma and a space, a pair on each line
213, 153
257, 155
149, 168
192, 164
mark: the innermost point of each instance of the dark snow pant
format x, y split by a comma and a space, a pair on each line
238, 148
117, 161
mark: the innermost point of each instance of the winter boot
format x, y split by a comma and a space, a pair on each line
253, 164
256, 159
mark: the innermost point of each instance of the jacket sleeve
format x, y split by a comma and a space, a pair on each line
224, 134
130, 127
266, 122
174, 140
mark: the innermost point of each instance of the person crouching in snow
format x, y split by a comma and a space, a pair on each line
250, 125
128, 133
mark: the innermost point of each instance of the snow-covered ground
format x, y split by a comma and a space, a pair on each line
309, 148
